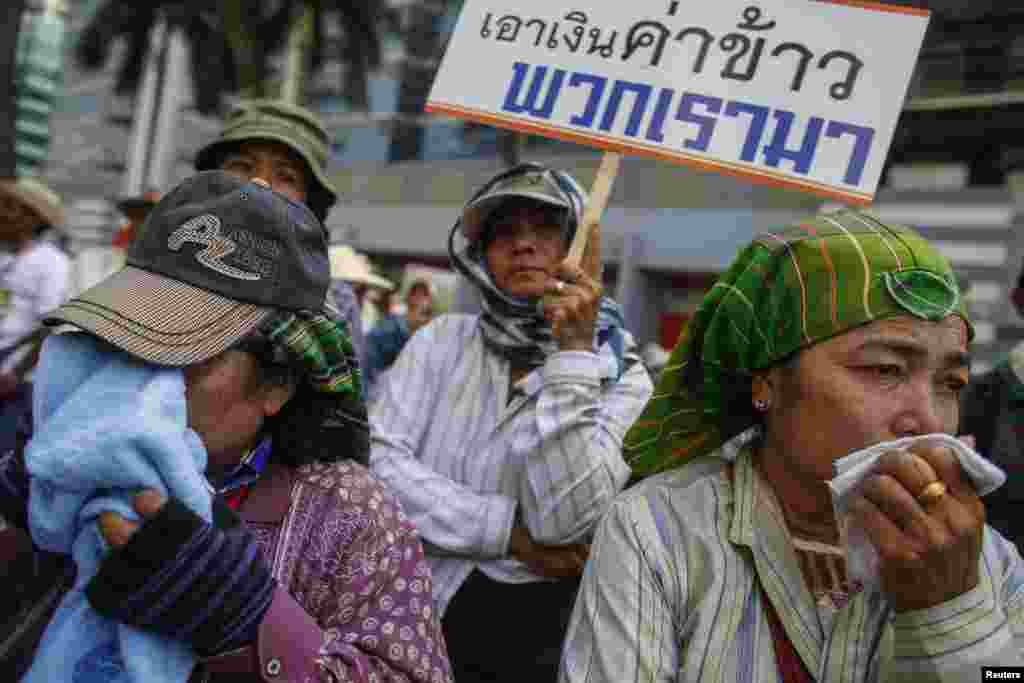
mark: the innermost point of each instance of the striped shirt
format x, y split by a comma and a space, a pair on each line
673, 592
466, 453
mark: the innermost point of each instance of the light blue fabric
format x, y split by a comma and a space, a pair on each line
106, 426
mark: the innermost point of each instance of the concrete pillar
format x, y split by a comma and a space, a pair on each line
142, 120
168, 114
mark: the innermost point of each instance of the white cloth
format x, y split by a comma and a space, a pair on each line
466, 453
861, 558
36, 282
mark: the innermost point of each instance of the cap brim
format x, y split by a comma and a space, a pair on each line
476, 213
159, 319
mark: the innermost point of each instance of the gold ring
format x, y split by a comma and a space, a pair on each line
931, 493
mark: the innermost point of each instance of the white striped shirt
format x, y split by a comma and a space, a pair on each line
682, 563
464, 459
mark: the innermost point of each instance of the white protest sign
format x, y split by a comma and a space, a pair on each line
802, 93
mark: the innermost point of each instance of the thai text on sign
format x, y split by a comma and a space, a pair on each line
804, 93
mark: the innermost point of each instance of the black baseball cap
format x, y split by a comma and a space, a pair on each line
215, 257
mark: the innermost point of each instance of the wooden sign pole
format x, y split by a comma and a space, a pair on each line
599, 194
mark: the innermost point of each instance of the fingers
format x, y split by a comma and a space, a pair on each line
116, 529
570, 305
894, 491
888, 539
947, 468
908, 470
148, 503
558, 561
892, 499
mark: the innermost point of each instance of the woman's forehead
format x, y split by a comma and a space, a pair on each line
906, 333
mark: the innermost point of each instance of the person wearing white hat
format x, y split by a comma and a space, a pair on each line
33, 281
351, 277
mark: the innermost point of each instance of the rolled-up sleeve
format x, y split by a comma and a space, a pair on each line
982, 627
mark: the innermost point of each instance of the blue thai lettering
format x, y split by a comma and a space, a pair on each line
863, 138
758, 118
802, 157
655, 130
529, 106
641, 92
706, 124
597, 84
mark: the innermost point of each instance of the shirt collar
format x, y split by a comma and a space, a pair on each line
248, 469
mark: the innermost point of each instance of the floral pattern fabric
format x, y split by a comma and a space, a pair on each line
347, 553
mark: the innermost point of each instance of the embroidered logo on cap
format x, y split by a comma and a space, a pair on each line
205, 230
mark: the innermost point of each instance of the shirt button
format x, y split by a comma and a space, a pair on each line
273, 666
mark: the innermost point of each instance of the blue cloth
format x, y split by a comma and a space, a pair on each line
383, 344
106, 426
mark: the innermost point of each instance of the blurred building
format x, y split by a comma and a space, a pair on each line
669, 230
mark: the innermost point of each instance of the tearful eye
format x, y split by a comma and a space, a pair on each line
885, 372
954, 385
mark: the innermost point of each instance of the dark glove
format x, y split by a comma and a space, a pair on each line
185, 579
14, 488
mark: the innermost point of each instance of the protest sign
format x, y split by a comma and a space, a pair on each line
799, 93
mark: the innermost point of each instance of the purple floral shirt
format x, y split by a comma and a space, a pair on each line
351, 559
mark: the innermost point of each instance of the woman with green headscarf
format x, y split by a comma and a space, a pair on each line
823, 339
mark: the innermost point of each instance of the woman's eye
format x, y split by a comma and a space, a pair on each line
288, 176
237, 166
885, 371
954, 385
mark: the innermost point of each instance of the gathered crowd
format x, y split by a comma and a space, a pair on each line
214, 468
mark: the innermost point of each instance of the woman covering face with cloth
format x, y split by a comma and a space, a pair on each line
828, 337
206, 374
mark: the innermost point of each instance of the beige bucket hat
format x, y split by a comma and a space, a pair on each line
349, 265
34, 194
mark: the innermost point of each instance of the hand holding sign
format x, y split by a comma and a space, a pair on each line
574, 297
800, 94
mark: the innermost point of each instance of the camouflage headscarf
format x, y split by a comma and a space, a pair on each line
786, 290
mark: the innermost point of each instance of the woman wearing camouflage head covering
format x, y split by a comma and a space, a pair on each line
827, 337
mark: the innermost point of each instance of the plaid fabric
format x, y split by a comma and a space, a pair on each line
785, 291
321, 346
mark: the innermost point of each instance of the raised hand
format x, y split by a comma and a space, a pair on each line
925, 519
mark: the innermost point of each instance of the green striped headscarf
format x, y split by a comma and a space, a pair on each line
784, 292
320, 346
326, 419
